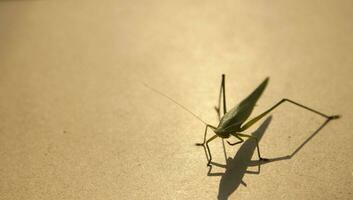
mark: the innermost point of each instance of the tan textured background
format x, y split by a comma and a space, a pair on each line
76, 122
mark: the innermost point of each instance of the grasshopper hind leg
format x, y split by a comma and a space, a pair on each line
222, 95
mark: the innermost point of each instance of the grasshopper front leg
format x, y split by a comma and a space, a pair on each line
205, 143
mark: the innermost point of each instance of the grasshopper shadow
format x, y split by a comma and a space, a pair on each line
237, 167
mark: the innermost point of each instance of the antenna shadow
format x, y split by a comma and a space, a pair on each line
237, 167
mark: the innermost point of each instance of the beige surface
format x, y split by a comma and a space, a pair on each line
76, 122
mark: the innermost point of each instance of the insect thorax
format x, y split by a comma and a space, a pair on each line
222, 134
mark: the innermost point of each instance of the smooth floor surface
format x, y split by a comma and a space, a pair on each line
78, 122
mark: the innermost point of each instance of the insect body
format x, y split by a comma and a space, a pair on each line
233, 122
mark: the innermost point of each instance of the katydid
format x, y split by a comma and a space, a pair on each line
233, 122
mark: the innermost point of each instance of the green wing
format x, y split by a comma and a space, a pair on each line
233, 119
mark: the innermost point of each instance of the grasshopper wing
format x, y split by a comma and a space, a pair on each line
233, 119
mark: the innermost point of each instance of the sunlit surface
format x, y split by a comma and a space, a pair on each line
77, 122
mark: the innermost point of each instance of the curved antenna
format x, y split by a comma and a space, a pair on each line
181, 106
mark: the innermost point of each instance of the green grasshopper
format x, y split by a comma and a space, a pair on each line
233, 122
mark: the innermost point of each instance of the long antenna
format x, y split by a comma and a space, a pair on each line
181, 106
